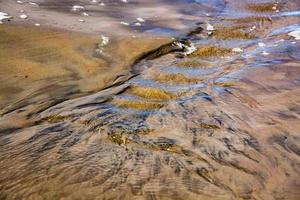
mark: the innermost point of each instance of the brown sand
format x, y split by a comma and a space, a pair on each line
232, 134
43, 59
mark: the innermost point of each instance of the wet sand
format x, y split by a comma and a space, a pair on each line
213, 115
59, 64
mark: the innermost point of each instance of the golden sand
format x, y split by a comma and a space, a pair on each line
210, 51
175, 78
151, 93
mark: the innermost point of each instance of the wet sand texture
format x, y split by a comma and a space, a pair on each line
35, 60
214, 115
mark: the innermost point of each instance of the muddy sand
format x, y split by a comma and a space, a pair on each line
150, 100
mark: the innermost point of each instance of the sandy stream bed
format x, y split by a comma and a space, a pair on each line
104, 105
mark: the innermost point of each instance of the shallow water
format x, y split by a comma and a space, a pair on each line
216, 126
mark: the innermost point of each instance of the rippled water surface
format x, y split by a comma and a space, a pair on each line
217, 123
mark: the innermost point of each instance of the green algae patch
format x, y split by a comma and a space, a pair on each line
136, 104
192, 64
165, 144
169, 147
252, 19
225, 33
205, 174
210, 51
151, 93
53, 119
175, 78
225, 84
121, 136
263, 7
142, 131
116, 138
208, 126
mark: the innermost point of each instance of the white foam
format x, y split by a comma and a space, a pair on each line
124, 23
77, 8
265, 53
4, 16
252, 28
261, 44
237, 50
85, 14
210, 27
295, 34
190, 49
139, 19
105, 40
33, 4
23, 16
